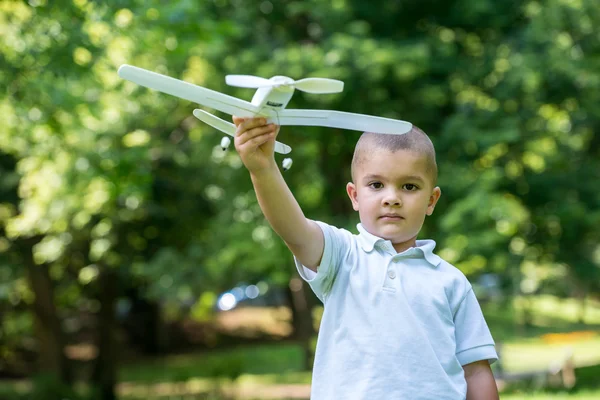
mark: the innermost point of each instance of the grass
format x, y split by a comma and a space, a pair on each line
530, 348
587, 387
548, 314
523, 349
283, 360
548, 339
584, 395
536, 354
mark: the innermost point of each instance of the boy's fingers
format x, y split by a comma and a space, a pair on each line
258, 141
245, 135
251, 123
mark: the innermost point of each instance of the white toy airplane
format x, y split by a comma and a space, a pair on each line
269, 101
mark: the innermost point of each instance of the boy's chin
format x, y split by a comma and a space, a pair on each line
394, 235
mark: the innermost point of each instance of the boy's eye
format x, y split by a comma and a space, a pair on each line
410, 187
376, 185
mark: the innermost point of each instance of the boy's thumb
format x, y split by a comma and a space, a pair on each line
237, 120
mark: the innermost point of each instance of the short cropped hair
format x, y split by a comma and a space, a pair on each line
415, 140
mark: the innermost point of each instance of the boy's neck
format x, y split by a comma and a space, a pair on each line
403, 246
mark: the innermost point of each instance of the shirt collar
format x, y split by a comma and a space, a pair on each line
368, 242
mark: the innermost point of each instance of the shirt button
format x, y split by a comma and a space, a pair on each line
392, 274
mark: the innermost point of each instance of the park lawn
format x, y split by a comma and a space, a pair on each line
587, 387
536, 354
554, 333
283, 363
523, 349
277, 363
548, 314
528, 349
280, 364
584, 395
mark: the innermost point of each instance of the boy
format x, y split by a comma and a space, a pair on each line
399, 322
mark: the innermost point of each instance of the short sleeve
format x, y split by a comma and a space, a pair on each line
322, 281
473, 338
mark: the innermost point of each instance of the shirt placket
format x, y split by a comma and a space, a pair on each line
392, 276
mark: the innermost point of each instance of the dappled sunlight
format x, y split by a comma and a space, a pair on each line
199, 387
81, 352
569, 337
540, 354
256, 322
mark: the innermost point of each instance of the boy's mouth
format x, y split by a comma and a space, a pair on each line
391, 216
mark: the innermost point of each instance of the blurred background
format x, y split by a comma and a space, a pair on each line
135, 262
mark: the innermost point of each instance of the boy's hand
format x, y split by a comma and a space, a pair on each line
255, 142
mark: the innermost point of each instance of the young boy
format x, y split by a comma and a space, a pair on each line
399, 322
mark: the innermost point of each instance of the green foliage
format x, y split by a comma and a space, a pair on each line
130, 168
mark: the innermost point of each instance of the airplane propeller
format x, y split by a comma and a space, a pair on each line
309, 85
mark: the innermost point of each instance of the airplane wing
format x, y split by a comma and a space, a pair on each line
197, 94
234, 106
229, 128
343, 120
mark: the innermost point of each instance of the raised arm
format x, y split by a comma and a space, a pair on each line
255, 141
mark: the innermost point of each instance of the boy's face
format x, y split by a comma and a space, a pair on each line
392, 193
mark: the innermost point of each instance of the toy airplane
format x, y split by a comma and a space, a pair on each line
269, 101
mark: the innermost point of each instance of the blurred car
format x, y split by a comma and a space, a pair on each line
260, 294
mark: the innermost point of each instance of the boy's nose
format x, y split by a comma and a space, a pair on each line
392, 200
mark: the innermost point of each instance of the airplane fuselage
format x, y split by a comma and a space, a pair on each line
274, 98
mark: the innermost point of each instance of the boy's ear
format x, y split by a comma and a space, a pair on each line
351, 190
433, 199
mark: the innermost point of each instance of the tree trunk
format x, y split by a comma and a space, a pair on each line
51, 338
301, 317
145, 325
104, 376
582, 296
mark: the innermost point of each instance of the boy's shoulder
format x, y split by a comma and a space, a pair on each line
454, 282
448, 268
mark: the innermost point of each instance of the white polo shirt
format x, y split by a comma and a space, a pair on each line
395, 325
